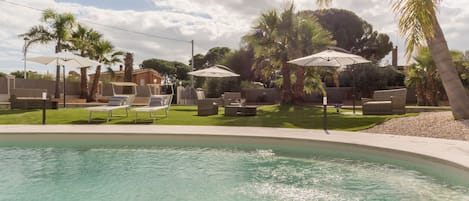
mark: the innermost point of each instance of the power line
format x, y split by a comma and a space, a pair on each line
21, 5
137, 32
108, 26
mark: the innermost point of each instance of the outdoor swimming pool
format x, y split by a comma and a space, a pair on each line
200, 171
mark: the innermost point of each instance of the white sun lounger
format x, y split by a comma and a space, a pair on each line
115, 103
155, 103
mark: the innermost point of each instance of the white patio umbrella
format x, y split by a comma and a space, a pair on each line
331, 58
64, 59
214, 71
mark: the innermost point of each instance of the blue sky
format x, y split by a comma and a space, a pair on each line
209, 23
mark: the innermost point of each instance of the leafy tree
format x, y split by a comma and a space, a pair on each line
32, 75
3, 74
181, 70
461, 61
215, 55
199, 62
352, 33
57, 28
165, 67
73, 76
162, 66
419, 23
241, 61
370, 77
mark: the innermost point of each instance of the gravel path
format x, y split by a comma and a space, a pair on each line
428, 124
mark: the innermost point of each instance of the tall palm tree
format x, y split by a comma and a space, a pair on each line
81, 41
128, 70
419, 23
280, 38
270, 45
309, 38
57, 28
104, 53
424, 77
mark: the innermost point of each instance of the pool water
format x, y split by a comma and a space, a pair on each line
141, 173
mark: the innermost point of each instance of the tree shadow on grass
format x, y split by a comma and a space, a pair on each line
16, 111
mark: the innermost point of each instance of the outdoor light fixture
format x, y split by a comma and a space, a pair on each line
44, 100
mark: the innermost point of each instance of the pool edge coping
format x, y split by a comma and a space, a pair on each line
444, 150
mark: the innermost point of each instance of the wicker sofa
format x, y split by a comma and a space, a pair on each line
385, 102
25, 98
231, 97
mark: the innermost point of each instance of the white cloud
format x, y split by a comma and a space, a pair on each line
209, 22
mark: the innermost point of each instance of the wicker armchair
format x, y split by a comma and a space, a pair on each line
385, 102
206, 106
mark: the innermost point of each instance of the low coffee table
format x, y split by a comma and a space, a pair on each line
238, 110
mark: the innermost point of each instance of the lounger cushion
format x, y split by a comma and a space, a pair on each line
156, 101
116, 101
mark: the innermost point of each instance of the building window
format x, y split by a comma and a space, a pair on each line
142, 82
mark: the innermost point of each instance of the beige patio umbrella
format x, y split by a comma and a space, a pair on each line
64, 59
214, 71
331, 58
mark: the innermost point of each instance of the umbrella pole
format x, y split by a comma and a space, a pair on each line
353, 90
64, 84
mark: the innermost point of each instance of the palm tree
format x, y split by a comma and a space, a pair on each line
270, 45
104, 53
424, 77
58, 27
128, 70
419, 23
280, 38
310, 38
81, 41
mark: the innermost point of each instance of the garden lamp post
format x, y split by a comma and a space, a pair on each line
25, 49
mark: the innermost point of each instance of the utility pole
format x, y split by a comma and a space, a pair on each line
192, 64
25, 49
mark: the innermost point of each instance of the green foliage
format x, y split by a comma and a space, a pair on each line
370, 77
3, 74
162, 66
240, 61
216, 55
73, 76
213, 56
168, 67
352, 33
32, 75
199, 62
416, 21
280, 37
217, 86
423, 75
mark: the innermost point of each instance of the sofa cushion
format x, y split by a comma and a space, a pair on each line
377, 103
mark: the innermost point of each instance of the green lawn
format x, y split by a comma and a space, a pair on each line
267, 116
